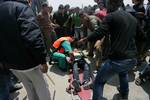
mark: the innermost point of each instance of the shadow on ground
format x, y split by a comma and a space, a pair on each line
116, 97
56, 70
146, 88
14, 96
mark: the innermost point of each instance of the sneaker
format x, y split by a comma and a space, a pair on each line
76, 85
16, 87
86, 85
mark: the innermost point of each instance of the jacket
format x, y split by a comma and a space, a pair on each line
21, 42
121, 27
58, 43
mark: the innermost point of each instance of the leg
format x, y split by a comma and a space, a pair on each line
27, 84
4, 85
75, 72
104, 73
39, 84
86, 72
14, 84
122, 67
61, 58
76, 80
86, 77
124, 85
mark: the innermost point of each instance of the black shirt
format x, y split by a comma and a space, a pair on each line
121, 26
60, 18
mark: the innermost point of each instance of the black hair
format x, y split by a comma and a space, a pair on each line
44, 4
114, 5
61, 6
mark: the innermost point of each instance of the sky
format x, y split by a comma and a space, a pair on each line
75, 3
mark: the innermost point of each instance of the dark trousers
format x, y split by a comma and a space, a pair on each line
4, 85
108, 69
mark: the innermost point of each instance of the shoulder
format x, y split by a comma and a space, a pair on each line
14, 4
17, 4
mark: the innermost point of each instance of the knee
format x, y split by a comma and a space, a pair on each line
86, 67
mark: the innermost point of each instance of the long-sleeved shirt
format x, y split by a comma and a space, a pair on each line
121, 26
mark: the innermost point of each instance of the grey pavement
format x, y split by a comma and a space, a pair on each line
110, 92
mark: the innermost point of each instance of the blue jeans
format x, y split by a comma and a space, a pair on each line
86, 71
108, 69
4, 85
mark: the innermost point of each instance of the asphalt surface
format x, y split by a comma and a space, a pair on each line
110, 92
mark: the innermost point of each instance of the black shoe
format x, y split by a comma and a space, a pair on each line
90, 55
16, 87
86, 85
139, 81
123, 96
76, 85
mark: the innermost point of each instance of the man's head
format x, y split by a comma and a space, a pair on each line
84, 17
101, 5
77, 9
61, 8
67, 7
45, 8
113, 5
137, 1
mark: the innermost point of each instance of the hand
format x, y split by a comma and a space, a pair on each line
56, 25
44, 68
71, 55
81, 41
98, 45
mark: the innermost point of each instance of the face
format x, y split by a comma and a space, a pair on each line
84, 19
101, 5
113, 5
46, 9
61, 10
77, 10
67, 8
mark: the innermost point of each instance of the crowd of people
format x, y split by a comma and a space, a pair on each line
31, 34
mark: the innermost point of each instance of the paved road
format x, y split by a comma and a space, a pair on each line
110, 92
